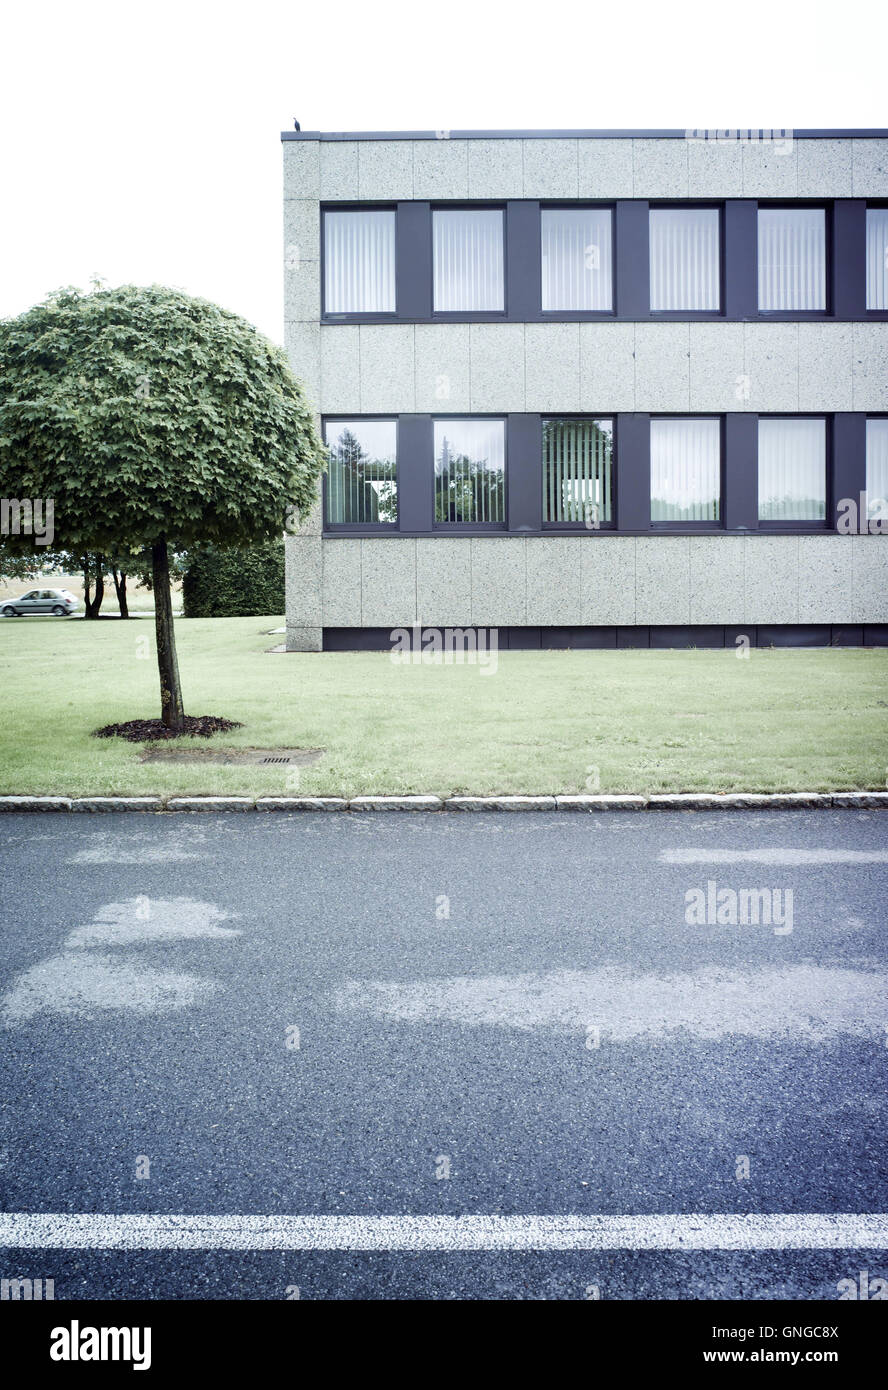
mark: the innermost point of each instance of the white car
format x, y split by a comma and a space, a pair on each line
58, 602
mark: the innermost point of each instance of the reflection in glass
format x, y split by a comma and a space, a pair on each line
470, 459
578, 471
362, 483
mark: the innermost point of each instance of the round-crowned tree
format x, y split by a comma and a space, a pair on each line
154, 421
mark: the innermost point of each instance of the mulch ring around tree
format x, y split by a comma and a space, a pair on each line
147, 730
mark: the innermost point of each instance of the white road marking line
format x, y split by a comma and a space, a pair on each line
773, 856
53, 1231
144, 919
808, 1003
80, 982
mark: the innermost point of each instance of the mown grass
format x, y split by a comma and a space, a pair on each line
621, 721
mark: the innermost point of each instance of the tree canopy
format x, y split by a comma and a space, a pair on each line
145, 412
154, 421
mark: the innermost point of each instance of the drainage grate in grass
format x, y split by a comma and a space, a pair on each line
232, 757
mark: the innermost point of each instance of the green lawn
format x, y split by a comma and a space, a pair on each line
646, 720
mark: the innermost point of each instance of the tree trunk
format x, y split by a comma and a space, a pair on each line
172, 710
120, 589
91, 609
87, 585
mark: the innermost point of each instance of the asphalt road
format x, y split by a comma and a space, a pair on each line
497, 1015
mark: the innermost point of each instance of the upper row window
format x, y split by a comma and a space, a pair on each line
877, 258
467, 256
577, 260
791, 259
359, 262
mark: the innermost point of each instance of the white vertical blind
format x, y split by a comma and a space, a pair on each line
577, 259
792, 470
877, 258
877, 469
359, 262
791, 259
470, 461
685, 469
684, 255
468, 260
577, 471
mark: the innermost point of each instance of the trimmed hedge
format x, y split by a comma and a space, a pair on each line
237, 583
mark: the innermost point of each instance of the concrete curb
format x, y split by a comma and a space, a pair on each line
679, 801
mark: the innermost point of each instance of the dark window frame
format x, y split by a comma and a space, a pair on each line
871, 315
362, 528
516, 308
691, 527
826, 205
572, 527
472, 528
693, 315
581, 315
870, 415
352, 315
801, 526
471, 315
845, 431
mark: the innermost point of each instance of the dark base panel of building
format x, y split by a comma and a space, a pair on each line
378, 639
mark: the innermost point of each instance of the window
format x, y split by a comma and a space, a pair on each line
359, 262
791, 259
577, 258
468, 260
877, 258
792, 470
578, 471
470, 457
362, 478
877, 471
685, 469
684, 255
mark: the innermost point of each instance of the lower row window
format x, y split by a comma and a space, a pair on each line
362, 474
685, 470
578, 470
792, 470
470, 472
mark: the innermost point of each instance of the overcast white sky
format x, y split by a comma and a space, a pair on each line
141, 142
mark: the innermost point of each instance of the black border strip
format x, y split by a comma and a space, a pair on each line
657, 637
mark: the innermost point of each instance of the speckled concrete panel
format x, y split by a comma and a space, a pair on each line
499, 581
662, 579
444, 581
388, 582
771, 586
608, 575
554, 580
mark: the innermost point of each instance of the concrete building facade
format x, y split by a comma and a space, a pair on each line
592, 388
